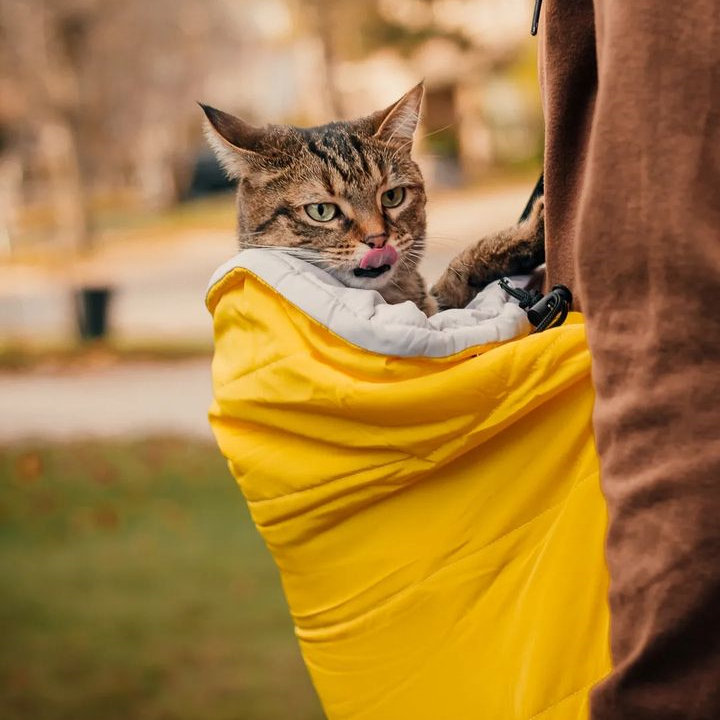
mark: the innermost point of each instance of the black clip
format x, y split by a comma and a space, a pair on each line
543, 311
536, 18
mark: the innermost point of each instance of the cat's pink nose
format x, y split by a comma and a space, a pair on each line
376, 241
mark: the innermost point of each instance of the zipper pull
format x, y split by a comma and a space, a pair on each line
536, 18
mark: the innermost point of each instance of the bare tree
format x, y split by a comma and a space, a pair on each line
104, 95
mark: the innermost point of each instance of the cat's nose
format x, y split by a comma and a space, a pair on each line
377, 240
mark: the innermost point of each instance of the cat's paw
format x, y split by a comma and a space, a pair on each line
453, 289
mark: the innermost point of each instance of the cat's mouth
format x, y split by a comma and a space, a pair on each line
371, 272
376, 261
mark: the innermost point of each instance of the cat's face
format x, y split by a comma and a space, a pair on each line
345, 196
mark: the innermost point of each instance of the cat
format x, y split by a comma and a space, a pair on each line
349, 198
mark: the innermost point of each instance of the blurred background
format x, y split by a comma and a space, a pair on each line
133, 583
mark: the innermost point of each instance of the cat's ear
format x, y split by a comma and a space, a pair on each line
236, 143
397, 124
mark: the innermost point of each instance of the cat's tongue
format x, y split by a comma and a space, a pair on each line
377, 257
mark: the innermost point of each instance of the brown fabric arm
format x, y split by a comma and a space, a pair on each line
647, 250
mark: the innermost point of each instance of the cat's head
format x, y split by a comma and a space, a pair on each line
346, 196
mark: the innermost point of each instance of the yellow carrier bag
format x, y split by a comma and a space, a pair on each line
427, 487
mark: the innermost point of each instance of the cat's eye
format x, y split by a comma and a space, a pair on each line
322, 212
392, 198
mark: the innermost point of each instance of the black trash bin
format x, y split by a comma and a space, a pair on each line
93, 308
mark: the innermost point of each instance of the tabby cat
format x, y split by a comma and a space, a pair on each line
349, 198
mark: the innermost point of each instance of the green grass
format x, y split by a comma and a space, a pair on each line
135, 586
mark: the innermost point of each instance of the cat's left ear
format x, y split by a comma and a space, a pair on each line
237, 144
397, 124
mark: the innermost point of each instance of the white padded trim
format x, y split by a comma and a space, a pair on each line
363, 318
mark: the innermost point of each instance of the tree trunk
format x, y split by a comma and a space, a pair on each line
69, 194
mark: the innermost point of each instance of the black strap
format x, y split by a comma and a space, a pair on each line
536, 18
538, 190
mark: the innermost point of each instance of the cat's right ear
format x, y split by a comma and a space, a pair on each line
236, 143
396, 125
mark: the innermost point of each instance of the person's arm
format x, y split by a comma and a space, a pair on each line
647, 251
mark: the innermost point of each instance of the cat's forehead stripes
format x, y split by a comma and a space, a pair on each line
357, 145
331, 159
349, 159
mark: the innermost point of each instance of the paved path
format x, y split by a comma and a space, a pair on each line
131, 399
159, 298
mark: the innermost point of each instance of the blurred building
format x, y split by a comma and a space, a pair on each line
98, 106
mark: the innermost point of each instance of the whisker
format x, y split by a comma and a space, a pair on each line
435, 132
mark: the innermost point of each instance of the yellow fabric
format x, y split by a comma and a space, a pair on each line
438, 523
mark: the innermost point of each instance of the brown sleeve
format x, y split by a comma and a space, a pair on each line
568, 78
647, 261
